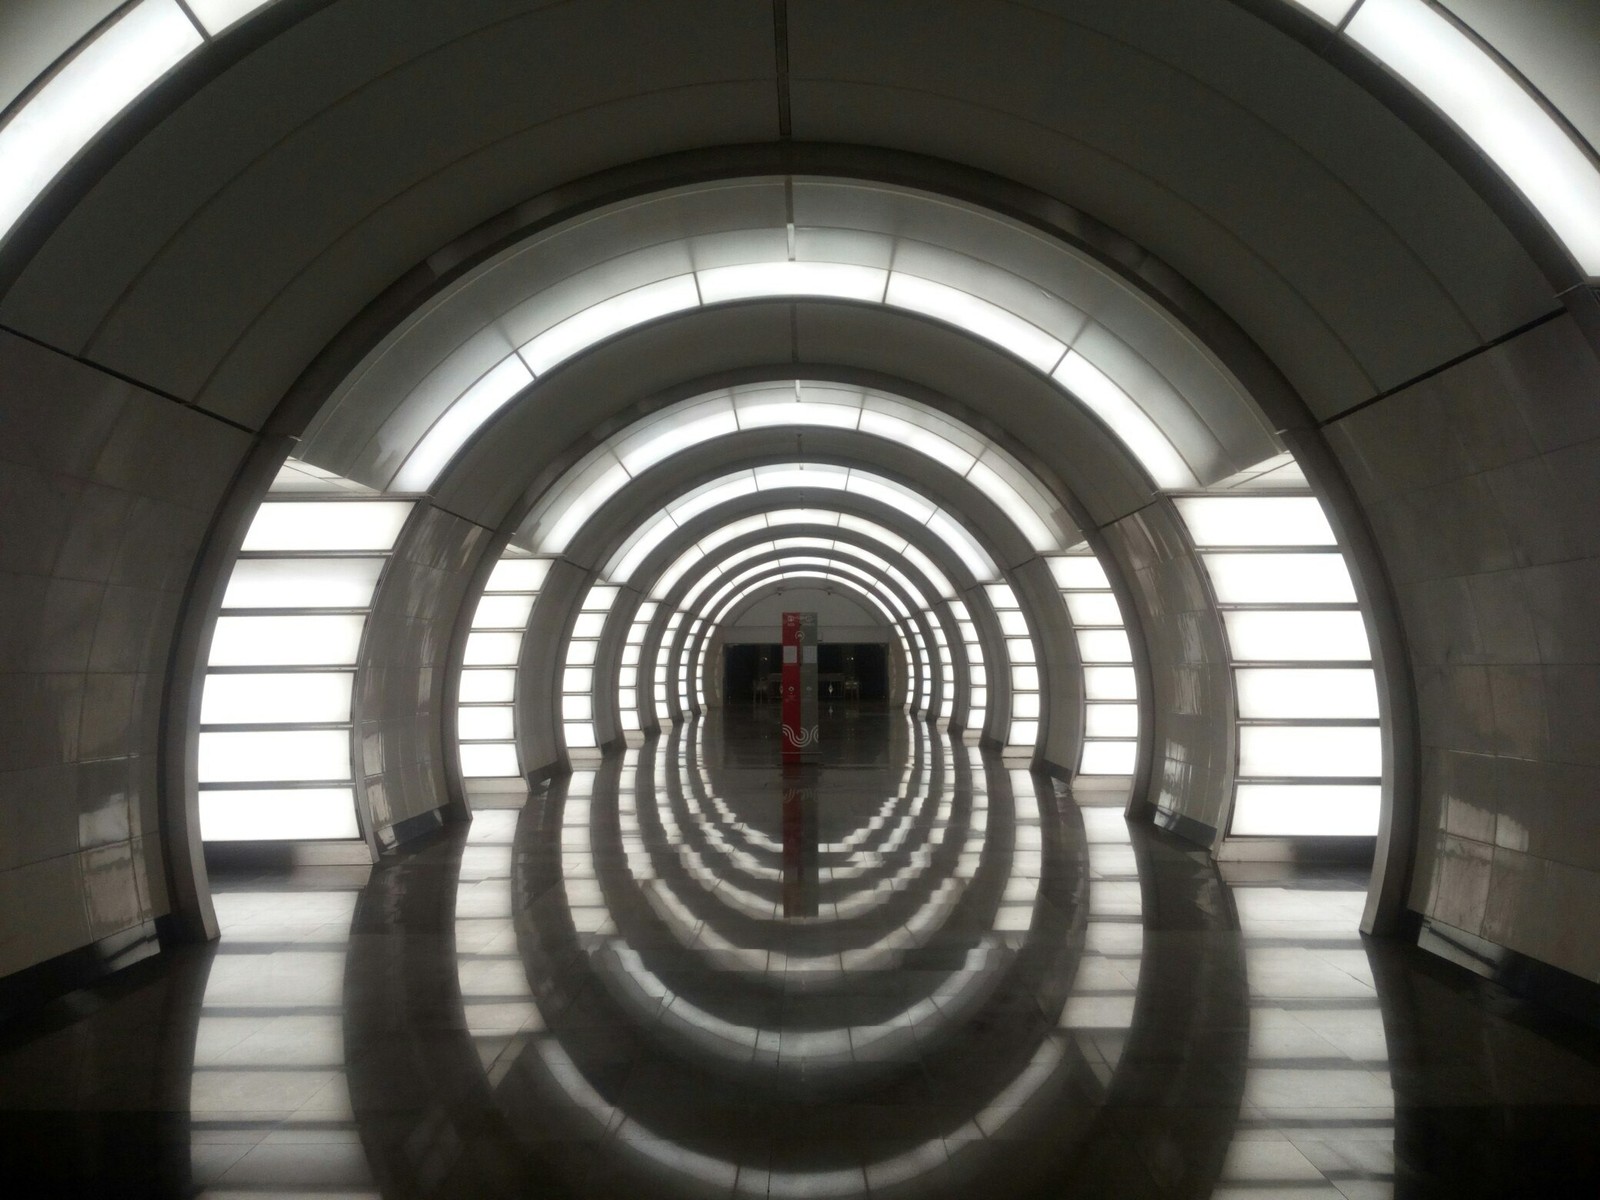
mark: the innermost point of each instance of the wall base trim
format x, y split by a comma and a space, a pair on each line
1571, 995
234, 856
35, 986
409, 830
1187, 828
1344, 851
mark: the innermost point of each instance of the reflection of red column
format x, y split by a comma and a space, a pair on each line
799, 686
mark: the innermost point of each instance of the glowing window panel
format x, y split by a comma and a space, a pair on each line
1025, 705
1079, 573
1123, 416
457, 424
302, 583
1110, 683
484, 724
1023, 733
575, 504
1013, 624
502, 612
287, 641
492, 649
931, 443
1111, 721
107, 74
1104, 646
954, 535
489, 760
581, 653
1024, 679
1297, 636
518, 575
1474, 91
327, 525
1020, 650
577, 708
577, 679
977, 316
277, 814
487, 687
589, 625
274, 756
582, 736
1294, 751
303, 697
1280, 578
843, 281
1290, 810
607, 318
1108, 758
1255, 521
217, 15
677, 431
1090, 608
1291, 694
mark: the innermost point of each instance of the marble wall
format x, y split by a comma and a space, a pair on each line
1480, 482
106, 495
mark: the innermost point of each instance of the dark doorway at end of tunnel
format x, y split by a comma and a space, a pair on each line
752, 672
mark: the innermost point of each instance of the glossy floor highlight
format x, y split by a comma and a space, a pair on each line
909, 970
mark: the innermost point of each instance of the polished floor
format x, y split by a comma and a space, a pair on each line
909, 970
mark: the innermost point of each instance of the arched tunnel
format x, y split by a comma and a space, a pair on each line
1181, 416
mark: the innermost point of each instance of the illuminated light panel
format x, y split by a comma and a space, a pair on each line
1292, 751
977, 316
484, 724
1486, 103
302, 582
287, 641
1300, 694
302, 525
1104, 646
518, 575
1080, 573
1130, 424
1111, 720
108, 72
607, 318
492, 649
277, 814
1301, 809
503, 612
274, 756
1280, 578
1108, 758
489, 760
487, 687
1297, 636
1090, 608
1255, 521
843, 281
307, 698
456, 425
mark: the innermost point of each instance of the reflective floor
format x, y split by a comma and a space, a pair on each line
910, 970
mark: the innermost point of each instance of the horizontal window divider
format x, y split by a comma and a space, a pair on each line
339, 497
1319, 548
487, 741
277, 785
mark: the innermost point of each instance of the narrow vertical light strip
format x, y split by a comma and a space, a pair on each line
486, 700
